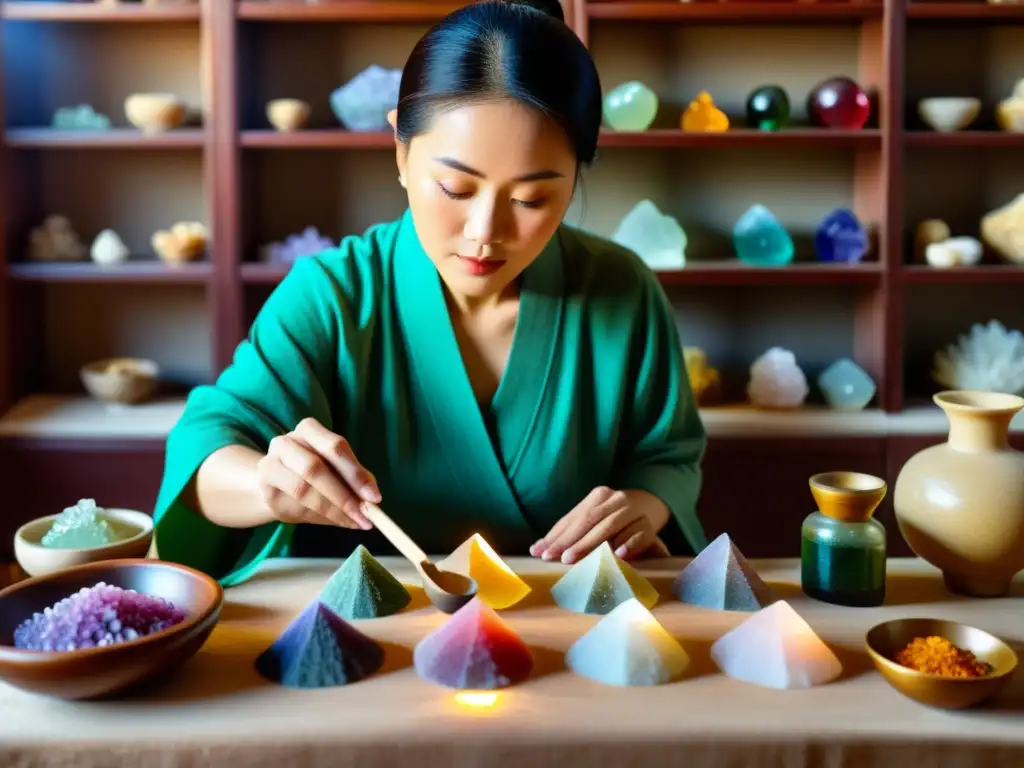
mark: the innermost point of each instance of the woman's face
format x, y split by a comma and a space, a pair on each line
488, 186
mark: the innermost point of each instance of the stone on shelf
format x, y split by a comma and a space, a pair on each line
655, 237
363, 103
840, 237
776, 380
720, 578
702, 116
108, 248
80, 118
768, 108
927, 232
185, 241
838, 102
1003, 230
1010, 111
963, 251
705, 381
776, 648
630, 106
989, 358
761, 240
307, 243
56, 240
846, 386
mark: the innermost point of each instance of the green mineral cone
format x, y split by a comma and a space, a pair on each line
362, 588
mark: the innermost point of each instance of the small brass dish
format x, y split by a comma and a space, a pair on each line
885, 640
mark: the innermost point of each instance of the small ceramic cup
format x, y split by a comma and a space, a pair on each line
288, 114
37, 560
949, 113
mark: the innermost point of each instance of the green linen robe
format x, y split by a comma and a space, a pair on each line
595, 393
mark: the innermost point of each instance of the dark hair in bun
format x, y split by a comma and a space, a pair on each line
492, 49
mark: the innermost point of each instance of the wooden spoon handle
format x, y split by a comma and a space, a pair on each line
394, 534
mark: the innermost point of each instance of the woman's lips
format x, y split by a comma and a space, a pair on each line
478, 267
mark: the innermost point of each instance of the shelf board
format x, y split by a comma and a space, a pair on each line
742, 12
805, 138
54, 11
114, 138
48, 416
318, 138
982, 274
142, 271
381, 11
977, 11
70, 416
695, 273
964, 139
737, 273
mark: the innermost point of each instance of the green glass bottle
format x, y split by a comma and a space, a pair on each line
843, 548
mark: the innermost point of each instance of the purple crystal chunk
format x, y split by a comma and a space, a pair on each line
308, 243
96, 616
840, 237
320, 649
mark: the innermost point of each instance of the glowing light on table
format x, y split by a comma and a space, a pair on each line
497, 584
477, 699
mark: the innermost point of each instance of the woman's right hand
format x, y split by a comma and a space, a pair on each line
310, 475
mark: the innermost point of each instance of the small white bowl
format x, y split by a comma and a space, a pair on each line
949, 113
37, 560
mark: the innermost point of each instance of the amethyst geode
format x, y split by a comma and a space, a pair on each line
96, 616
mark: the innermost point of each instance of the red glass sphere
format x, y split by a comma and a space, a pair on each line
838, 103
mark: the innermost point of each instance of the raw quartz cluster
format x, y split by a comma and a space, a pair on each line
79, 527
100, 615
776, 380
307, 243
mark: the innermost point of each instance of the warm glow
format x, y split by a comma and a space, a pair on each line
497, 584
476, 699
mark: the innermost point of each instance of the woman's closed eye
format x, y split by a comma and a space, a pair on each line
451, 195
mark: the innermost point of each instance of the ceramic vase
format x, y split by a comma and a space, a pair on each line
960, 504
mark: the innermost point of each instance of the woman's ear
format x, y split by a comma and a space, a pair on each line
400, 148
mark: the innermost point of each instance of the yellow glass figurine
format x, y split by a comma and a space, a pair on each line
703, 116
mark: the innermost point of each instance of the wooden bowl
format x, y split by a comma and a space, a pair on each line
884, 640
154, 113
103, 672
123, 380
37, 560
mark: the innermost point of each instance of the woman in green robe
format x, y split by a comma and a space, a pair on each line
475, 366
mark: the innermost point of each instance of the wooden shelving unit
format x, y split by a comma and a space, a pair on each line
251, 185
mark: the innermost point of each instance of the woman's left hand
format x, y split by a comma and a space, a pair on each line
628, 520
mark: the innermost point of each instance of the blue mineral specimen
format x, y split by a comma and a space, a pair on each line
840, 237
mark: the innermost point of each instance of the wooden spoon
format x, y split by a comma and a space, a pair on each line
447, 590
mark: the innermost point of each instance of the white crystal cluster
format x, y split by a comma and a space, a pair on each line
776, 380
655, 237
989, 358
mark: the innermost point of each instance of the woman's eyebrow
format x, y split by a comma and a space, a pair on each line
535, 176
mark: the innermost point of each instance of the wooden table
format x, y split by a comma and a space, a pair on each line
218, 711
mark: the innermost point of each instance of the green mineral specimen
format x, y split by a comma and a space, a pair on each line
362, 588
80, 527
631, 106
80, 118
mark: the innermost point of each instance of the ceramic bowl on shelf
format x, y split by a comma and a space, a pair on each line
288, 114
37, 560
154, 113
122, 380
886, 639
103, 672
949, 113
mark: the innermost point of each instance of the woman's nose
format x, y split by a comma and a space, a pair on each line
483, 225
